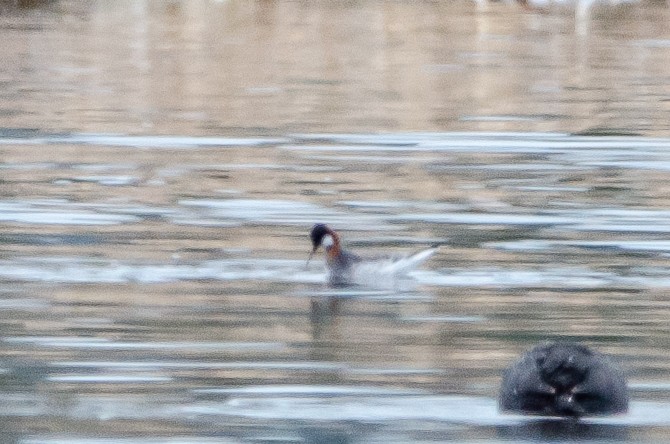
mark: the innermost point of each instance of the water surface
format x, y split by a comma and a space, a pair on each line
161, 164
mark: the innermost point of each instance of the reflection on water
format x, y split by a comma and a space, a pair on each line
267, 67
192, 312
162, 163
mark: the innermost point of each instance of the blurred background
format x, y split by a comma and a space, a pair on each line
162, 162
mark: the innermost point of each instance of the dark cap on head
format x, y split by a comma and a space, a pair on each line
317, 234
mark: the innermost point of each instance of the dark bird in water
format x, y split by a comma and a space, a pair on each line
563, 379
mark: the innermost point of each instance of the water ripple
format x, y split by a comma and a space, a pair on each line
106, 344
146, 142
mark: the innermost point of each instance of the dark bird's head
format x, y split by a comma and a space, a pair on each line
319, 231
320, 235
564, 365
564, 379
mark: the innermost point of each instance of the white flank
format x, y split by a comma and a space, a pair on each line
402, 265
384, 272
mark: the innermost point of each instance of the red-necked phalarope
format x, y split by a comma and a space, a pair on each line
563, 379
345, 267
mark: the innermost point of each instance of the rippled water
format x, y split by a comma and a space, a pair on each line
193, 315
161, 164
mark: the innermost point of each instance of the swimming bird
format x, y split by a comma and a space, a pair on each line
563, 379
345, 267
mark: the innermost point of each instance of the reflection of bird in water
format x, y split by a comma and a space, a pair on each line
346, 268
324, 309
563, 379
323, 315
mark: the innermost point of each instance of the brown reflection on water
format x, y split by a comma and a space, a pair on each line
137, 277
207, 67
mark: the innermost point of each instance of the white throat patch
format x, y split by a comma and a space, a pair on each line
327, 241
